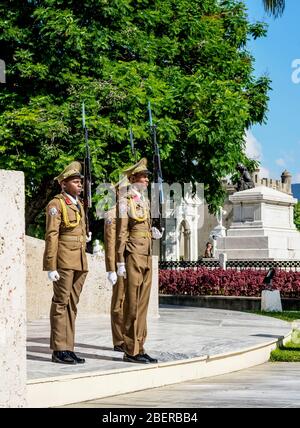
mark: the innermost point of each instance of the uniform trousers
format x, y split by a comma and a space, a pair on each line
116, 311
66, 293
137, 294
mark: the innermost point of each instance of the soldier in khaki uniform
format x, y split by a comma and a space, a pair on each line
134, 249
116, 309
118, 292
66, 262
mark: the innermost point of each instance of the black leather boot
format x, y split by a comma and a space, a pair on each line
76, 358
62, 357
119, 348
150, 359
139, 358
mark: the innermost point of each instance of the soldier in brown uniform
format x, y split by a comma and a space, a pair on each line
116, 309
118, 292
134, 262
66, 262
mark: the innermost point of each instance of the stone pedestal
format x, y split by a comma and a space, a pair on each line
12, 290
271, 301
223, 260
262, 227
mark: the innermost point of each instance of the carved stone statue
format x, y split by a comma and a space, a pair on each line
245, 181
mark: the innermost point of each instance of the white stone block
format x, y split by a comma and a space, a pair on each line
223, 260
271, 301
12, 290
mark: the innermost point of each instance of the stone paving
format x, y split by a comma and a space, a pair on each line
268, 385
179, 333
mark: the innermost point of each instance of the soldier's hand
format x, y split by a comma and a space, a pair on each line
156, 234
121, 270
89, 238
112, 277
53, 275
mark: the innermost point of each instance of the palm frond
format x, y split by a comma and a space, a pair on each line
274, 7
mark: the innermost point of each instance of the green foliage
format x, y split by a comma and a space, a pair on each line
297, 215
188, 57
285, 315
290, 352
274, 7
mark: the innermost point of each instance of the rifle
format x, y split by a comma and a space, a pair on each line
87, 181
157, 172
133, 151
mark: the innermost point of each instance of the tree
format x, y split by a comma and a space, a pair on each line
188, 57
297, 215
274, 7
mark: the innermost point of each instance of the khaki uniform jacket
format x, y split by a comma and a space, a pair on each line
65, 247
133, 236
110, 228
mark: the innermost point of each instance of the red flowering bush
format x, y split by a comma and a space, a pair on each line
230, 282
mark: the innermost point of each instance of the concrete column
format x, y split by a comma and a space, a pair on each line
153, 311
223, 260
12, 290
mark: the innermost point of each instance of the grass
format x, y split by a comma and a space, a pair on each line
290, 352
285, 315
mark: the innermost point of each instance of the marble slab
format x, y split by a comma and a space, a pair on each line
180, 333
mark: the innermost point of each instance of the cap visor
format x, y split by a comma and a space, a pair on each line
144, 171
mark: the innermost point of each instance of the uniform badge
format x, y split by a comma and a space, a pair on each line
53, 211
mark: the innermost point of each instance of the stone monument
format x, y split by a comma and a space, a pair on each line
262, 226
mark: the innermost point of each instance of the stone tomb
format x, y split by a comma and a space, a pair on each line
262, 226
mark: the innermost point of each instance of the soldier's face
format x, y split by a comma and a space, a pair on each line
73, 186
141, 180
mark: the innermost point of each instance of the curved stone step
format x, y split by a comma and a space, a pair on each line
191, 343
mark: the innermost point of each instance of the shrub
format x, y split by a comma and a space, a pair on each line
230, 282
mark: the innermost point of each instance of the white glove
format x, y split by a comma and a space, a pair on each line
53, 275
156, 234
112, 277
89, 238
121, 270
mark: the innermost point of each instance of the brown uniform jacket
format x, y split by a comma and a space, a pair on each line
110, 230
65, 246
133, 236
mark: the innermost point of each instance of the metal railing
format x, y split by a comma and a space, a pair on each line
286, 265
186, 264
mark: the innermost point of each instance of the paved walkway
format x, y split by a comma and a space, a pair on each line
179, 333
267, 385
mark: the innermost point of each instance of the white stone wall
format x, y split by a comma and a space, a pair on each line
189, 211
12, 290
96, 294
153, 311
